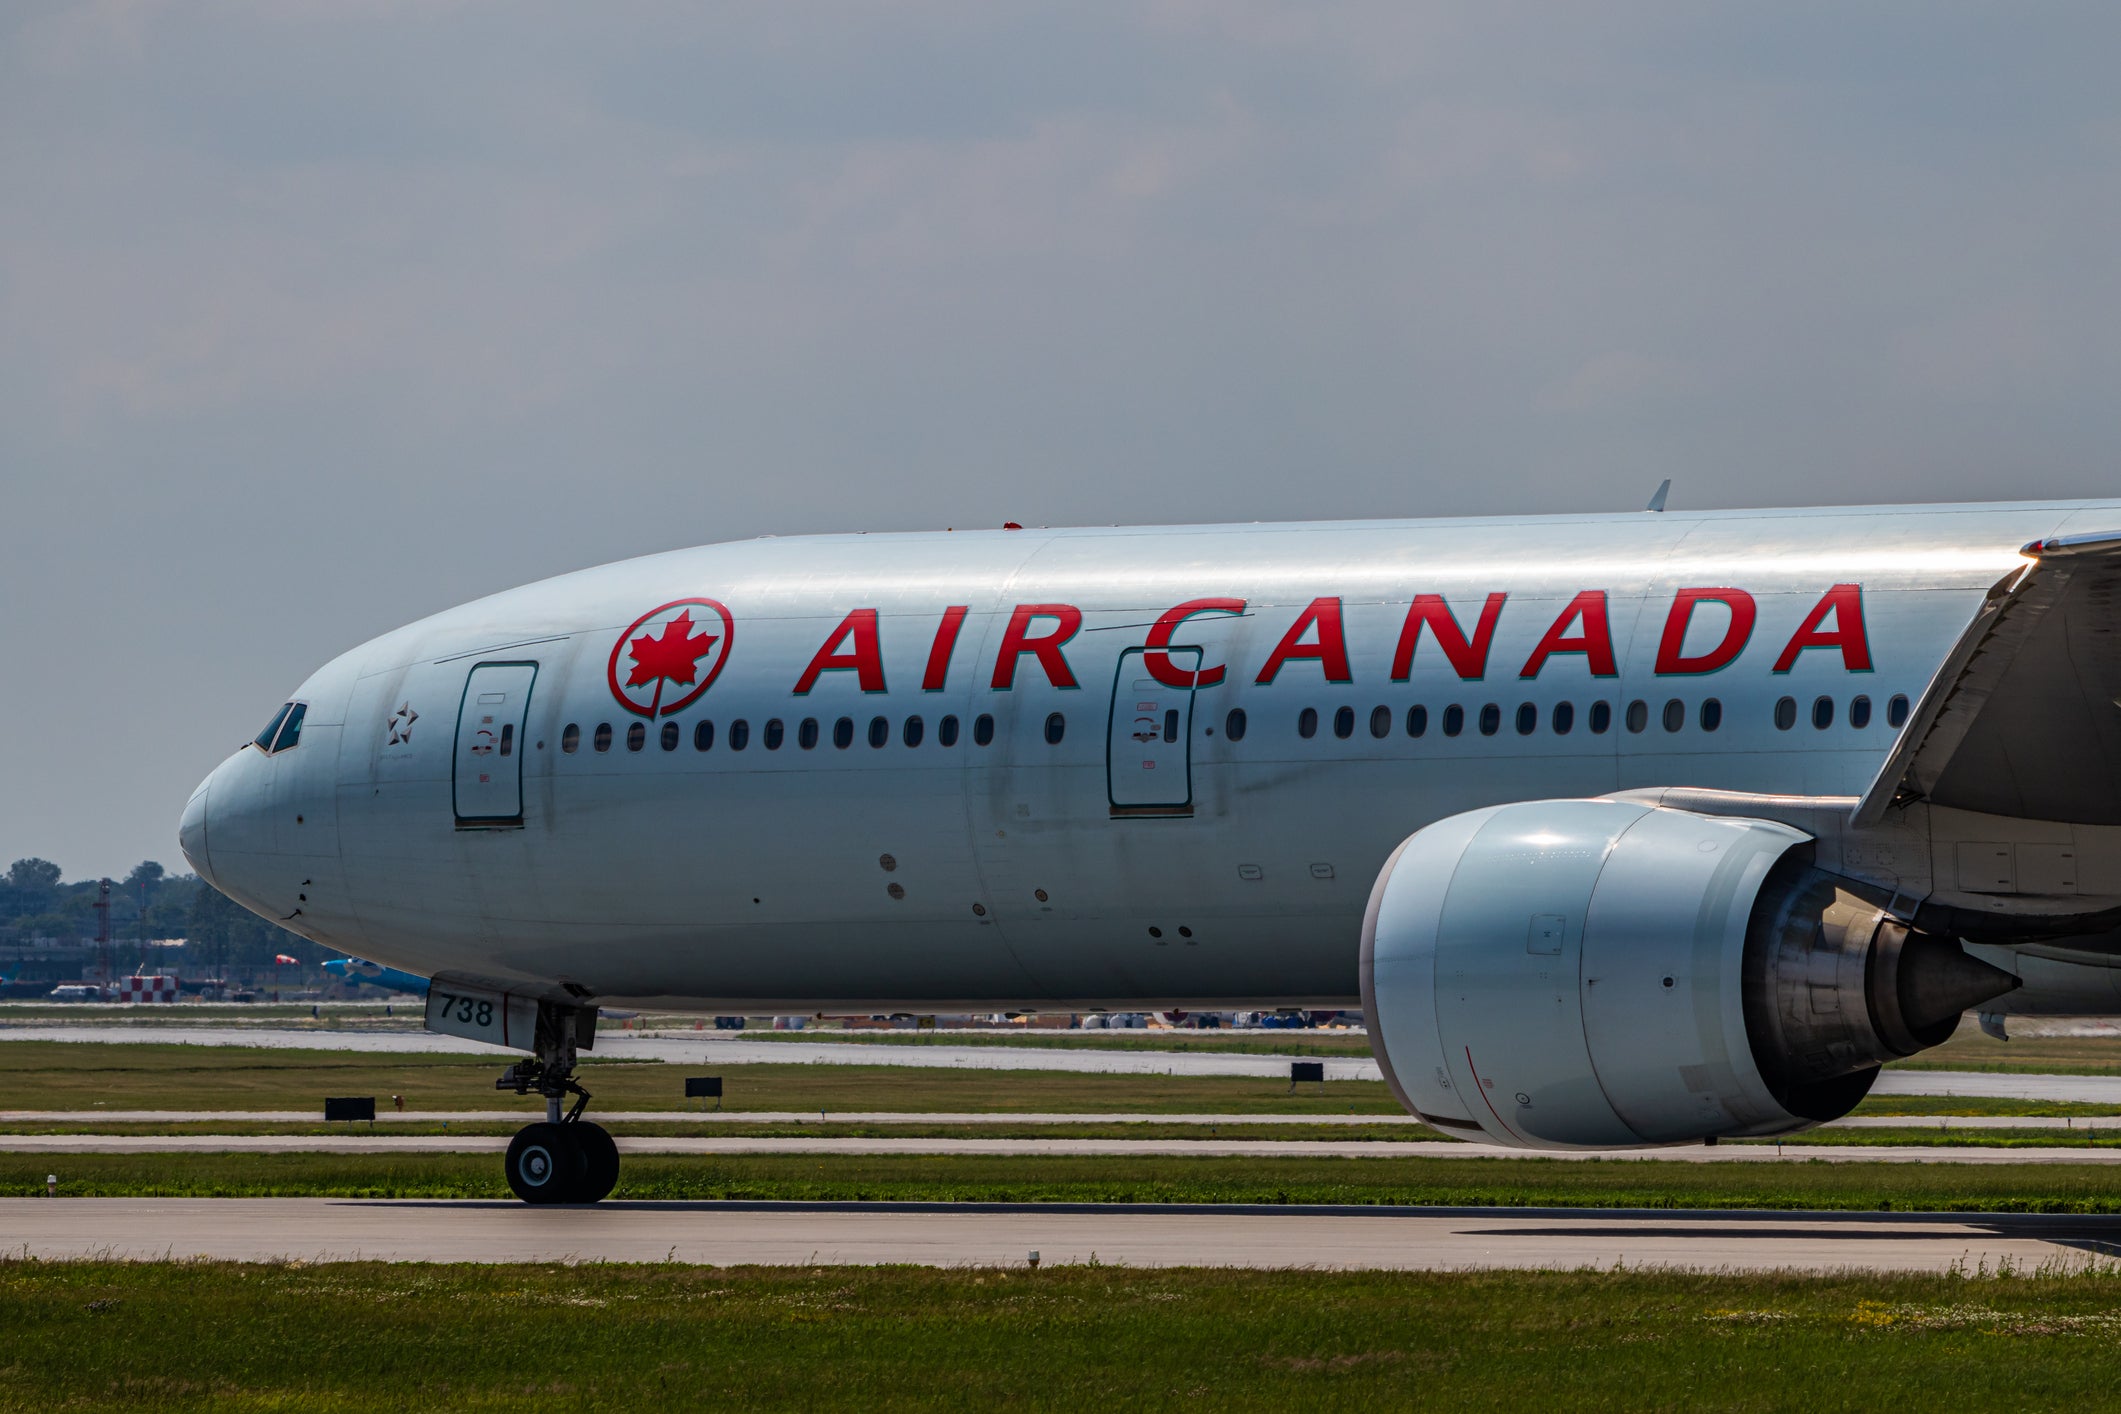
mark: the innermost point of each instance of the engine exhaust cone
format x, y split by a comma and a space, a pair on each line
1933, 982
1836, 986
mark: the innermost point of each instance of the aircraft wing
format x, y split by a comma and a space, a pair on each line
2024, 718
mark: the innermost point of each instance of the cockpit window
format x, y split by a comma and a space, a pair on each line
284, 730
272, 728
291, 729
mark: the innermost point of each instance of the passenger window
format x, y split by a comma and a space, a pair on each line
1674, 715
1454, 720
1417, 720
1859, 711
1601, 718
1564, 717
843, 733
1822, 712
739, 734
1344, 723
1527, 719
571, 739
946, 732
670, 736
636, 736
703, 736
1170, 725
1896, 711
1711, 714
1380, 722
1057, 727
806, 734
879, 730
912, 732
603, 736
1785, 713
1638, 715
508, 738
272, 728
1490, 720
1307, 723
982, 729
1234, 724
775, 734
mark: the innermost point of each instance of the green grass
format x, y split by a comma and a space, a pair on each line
1014, 1178
1969, 1049
200, 1336
58, 1075
1934, 1105
2104, 1136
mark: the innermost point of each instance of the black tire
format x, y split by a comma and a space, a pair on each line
600, 1161
545, 1165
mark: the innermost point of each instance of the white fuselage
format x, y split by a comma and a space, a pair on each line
1149, 856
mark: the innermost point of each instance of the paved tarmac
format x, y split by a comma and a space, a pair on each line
2085, 1089
707, 1119
710, 1119
709, 1048
383, 1142
320, 1229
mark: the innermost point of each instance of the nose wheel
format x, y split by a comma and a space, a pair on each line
574, 1161
564, 1159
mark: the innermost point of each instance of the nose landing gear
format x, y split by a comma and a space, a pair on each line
565, 1159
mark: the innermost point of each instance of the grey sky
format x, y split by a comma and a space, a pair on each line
318, 317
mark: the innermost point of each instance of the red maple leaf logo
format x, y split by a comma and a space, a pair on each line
673, 657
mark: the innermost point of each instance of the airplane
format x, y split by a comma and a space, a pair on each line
1622, 830
354, 971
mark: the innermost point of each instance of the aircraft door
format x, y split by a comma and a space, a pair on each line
1149, 749
487, 772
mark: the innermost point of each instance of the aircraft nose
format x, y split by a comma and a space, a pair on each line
191, 832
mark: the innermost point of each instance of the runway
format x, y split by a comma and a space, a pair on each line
714, 1119
711, 1048
383, 1142
319, 1229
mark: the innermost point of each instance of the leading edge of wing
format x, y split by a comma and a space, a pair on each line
1951, 706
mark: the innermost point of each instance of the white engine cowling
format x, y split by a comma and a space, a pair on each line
1605, 973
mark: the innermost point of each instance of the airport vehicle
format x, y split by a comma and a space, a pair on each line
358, 971
1622, 829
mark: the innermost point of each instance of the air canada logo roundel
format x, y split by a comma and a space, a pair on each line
670, 656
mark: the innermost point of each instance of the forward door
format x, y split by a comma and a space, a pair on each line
488, 769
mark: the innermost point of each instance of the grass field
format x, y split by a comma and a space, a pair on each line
57, 1075
201, 1336
51, 1075
1969, 1049
1012, 1178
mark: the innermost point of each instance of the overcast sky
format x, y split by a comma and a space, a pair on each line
315, 318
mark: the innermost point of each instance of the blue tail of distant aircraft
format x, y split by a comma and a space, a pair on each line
354, 970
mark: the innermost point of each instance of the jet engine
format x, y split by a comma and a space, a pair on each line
1604, 973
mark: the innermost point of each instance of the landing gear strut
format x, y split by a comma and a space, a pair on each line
565, 1159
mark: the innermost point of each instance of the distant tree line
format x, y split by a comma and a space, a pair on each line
147, 903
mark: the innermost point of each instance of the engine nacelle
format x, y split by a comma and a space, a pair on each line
1604, 973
